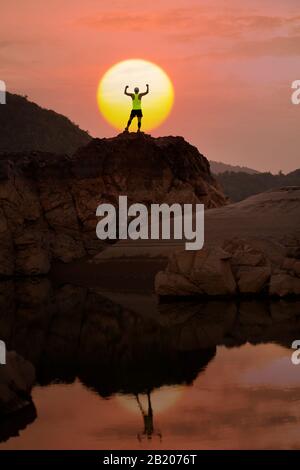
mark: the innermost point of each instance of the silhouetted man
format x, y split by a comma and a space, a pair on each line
136, 106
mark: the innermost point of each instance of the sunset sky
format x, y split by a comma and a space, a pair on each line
232, 63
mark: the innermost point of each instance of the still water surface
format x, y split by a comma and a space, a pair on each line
132, 374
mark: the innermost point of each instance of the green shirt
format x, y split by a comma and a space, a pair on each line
136, 102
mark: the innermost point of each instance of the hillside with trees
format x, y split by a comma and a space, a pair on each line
220, 167
239, 185
25, 126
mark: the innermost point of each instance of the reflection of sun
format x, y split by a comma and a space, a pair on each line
115, 106
161, 399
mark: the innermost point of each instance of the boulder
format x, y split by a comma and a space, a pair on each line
291, 265
206, 272
212, 273
282, 285
241, 266
253, 280
174, 284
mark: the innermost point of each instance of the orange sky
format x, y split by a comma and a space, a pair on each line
232, 63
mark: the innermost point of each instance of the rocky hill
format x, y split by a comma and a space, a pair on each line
25, 126
48, 202
220, 167
240, 185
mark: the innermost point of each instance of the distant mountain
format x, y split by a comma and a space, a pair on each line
238, 186
219, 167
25, 126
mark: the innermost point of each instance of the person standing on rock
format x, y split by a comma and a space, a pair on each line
136, 106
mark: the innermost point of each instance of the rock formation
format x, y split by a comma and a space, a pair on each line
239, 267
48, 202
251, 248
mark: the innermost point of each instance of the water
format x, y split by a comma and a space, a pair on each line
122, 371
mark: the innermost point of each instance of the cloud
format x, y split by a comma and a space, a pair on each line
187, 24
280, 46
5, 44
283, 46
138, 21
237, 27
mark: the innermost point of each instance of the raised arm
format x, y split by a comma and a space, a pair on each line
126, 92
146, 92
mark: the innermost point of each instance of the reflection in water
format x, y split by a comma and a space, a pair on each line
10, 426
70, 332
158, 400
148, 419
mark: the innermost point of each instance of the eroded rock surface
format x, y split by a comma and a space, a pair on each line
48, 202
260, 242
239, 267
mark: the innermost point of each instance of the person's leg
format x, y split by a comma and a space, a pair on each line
139, 123
128, 124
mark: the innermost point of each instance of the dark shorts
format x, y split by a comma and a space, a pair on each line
136, 112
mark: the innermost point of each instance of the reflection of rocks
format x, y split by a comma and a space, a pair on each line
71, 331
240, 267
12, 424
48, 202
263, 322
131, 354
194, 325
141, 371
16, 380
74, 331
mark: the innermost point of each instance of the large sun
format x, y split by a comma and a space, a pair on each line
116, 107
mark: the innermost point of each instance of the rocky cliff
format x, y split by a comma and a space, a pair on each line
48, 202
